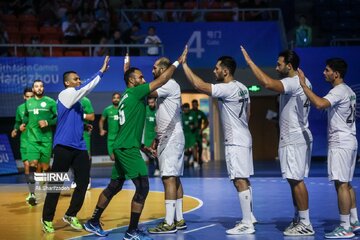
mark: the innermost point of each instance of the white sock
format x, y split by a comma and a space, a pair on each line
304, 217
245, 204
170, 211
345, 221
179, 209
353, 215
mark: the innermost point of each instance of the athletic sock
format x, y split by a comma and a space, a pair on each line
170, 211
179, 209
304, 217
345, 221
95, 218
31, 183
134, 221
353, 215
245, 204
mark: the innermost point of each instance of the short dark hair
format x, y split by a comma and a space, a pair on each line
37, 80
291, 57
116, 93
128, 74
194, 100
228, 62
27, 89
337, 65
185, 105
66, 75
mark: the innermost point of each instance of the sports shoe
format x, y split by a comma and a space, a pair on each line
300, 229
163, 227
73, 221
180, 225
253, 219
28, 197
355, 226
32, 199
95, 228
293, 223
136, 235
340, 232
241, 228
73, 185
47, 226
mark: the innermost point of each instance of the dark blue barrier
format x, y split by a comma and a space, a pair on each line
7, 162
16, 73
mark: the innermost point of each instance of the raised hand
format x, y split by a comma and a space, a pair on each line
126, 62
182, 58
301, 77
105, 65
246, 55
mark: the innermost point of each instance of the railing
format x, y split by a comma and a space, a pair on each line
345, 41
87, 49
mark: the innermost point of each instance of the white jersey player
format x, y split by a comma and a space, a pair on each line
342, 144
295, 137
234, 104
170, 149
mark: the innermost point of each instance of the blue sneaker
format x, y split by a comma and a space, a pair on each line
95, 228
340, 232
136, 235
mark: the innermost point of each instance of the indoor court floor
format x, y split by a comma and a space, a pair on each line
211, 205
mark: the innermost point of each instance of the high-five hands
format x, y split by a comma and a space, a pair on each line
246, 55
105, 65
182, 58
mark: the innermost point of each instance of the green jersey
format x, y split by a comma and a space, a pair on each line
150, 125
111, 115
36, 110
199, 118
188, 121
88, 109
19, 118
132, 117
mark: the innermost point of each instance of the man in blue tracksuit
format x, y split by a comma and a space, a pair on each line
69, 146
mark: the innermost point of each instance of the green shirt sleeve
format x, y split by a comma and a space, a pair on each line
53, 110
141, 91
18, 118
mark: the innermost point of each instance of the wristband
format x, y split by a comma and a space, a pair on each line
176, 64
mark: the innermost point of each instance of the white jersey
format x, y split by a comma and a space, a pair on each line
234, 101
168, 115
294, 112
341, 117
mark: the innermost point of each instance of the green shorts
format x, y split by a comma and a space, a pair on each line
110, 148
23, 151
40, 151
128, 164
190, 140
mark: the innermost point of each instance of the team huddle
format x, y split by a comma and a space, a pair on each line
38, 114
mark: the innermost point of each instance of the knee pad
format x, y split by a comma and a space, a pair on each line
113, 188
142, 189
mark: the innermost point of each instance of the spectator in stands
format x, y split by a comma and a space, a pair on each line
4, 39
102, 14
303, 33
100, 50
95, 32
159, 14
130, 36
152, 38
116, 39
259, 15
34, 51
71, 30
178, 16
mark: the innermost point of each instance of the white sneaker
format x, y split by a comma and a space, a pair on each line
157, 172
253, 219
196, 165
241, 228
73, 185
293, 223
300, 229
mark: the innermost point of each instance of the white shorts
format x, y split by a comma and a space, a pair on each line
171, 159
341, 164
239, 161
295, 161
